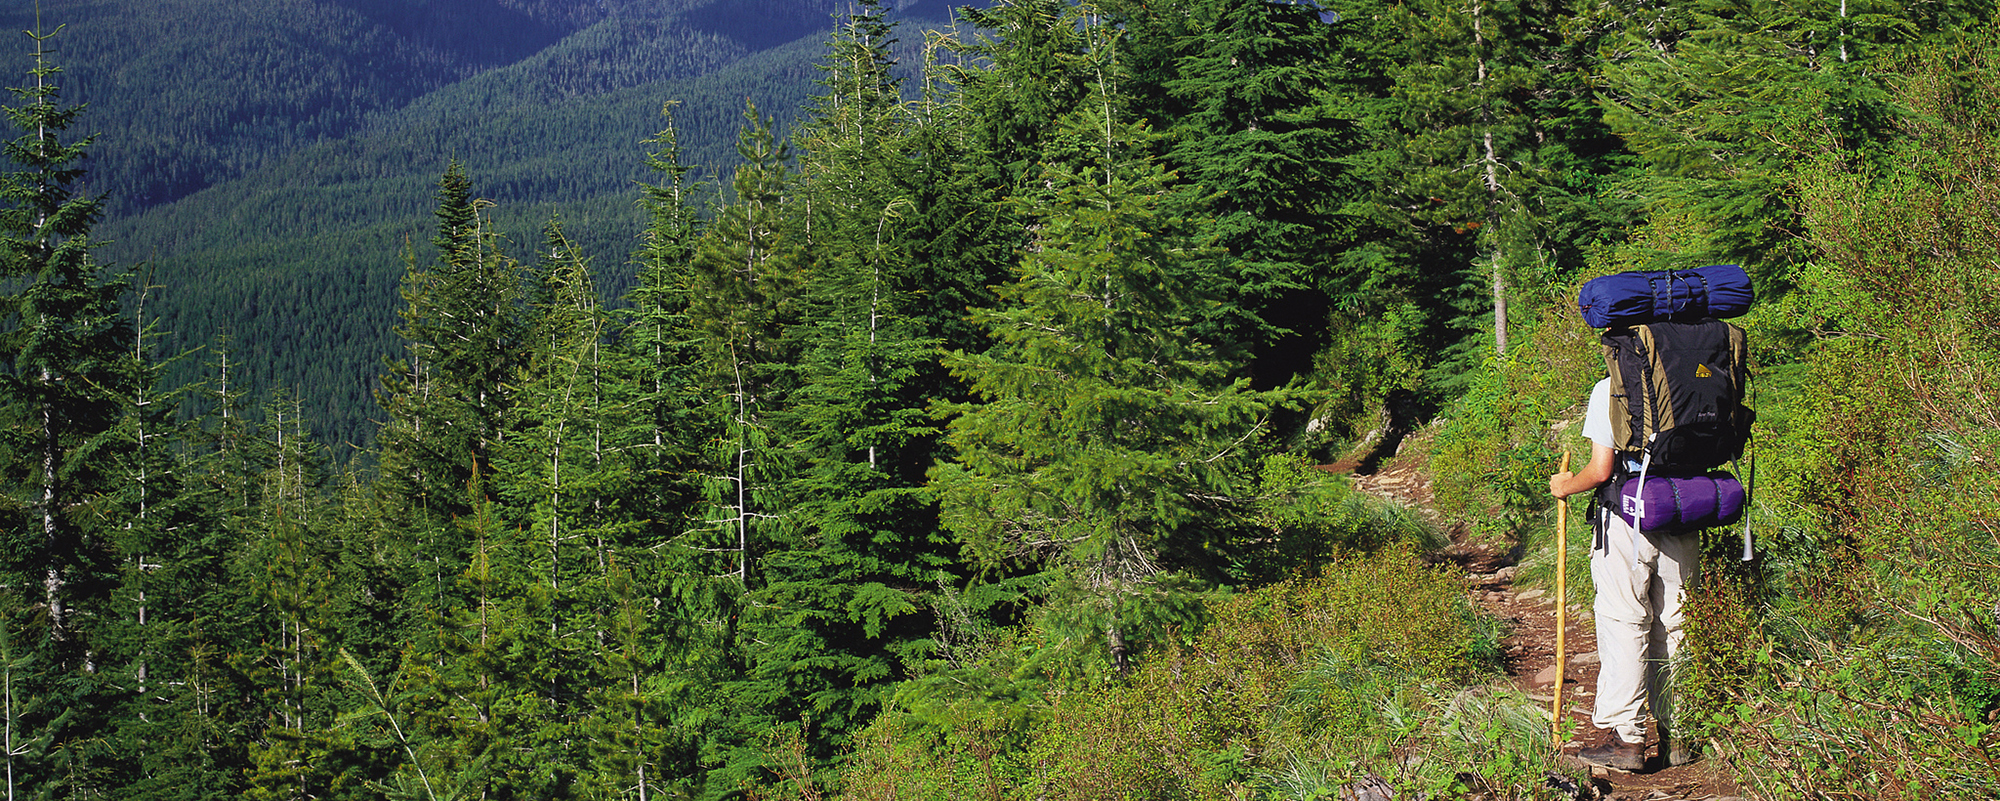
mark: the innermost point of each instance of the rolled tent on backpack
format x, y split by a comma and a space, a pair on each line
1635, 298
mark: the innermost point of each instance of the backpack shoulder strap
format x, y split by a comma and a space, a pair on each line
1625, 363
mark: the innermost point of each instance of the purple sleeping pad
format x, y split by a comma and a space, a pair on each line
1677, 503
1637, 298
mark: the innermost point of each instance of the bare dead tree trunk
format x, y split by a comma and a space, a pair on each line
1490, 158
52, 580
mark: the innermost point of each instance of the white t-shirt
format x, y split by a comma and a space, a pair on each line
1597, 417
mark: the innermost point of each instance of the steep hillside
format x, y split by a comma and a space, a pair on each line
298, 264
185, 94
269, 161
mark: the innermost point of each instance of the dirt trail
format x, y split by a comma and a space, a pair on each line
1529, 650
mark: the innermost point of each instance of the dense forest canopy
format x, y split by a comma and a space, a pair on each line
529, 398
268, 161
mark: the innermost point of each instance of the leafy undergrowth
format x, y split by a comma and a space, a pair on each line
1375, 667
1874, 671
1858, 656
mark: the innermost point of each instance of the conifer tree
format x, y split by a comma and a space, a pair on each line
1106, 442
743, 305
225, 455
168, 623
743, 286
644, 718
447, 396
665, 606
298, 615
1245, 93
1721, 101
1036, 55
1469, 136
834, 619
64, 344
498, 695
945, 218
65, 382
25, 733
655, 335
1028, 66
461, 329
563, 468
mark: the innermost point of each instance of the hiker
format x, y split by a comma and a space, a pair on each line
1640, 581
1665, 419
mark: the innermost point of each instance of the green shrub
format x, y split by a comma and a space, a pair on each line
1721, 652
1292, 691
1896, 716
1310, 515
1877, 672
1368, 359
897, 757
1294, 669
1497, 445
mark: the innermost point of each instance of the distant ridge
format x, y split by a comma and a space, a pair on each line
270, 164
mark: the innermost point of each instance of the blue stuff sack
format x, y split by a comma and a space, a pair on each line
1637, 298
1673, 504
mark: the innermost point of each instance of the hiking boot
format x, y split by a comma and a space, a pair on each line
1614, 752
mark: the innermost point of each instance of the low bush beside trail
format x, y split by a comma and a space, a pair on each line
1374, 667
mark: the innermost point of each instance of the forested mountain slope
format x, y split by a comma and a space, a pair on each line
191, 93
298, 263
964, 437
267, 161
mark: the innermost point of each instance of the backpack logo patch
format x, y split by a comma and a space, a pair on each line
1701, 370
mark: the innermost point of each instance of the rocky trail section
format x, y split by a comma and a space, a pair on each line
1529, 647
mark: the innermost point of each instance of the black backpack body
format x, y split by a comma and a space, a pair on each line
1677, 394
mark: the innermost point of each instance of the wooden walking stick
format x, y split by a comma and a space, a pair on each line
1562, 605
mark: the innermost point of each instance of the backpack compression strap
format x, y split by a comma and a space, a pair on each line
1749, 553
1749, 491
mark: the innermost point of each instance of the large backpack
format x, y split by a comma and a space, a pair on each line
1677, 411
1677, 394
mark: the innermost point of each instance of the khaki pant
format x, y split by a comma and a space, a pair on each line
1641, 582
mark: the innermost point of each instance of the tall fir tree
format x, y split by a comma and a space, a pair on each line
563, 470
64, 344
839, 609
447, 397
66, 380
1722, 101
667, 601
655, 334
294, 553
1106, 442
1469, 162
1244, 91
743, 300
1035, 58
744, 305
178, 729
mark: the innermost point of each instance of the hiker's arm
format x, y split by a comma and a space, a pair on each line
1593, 475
